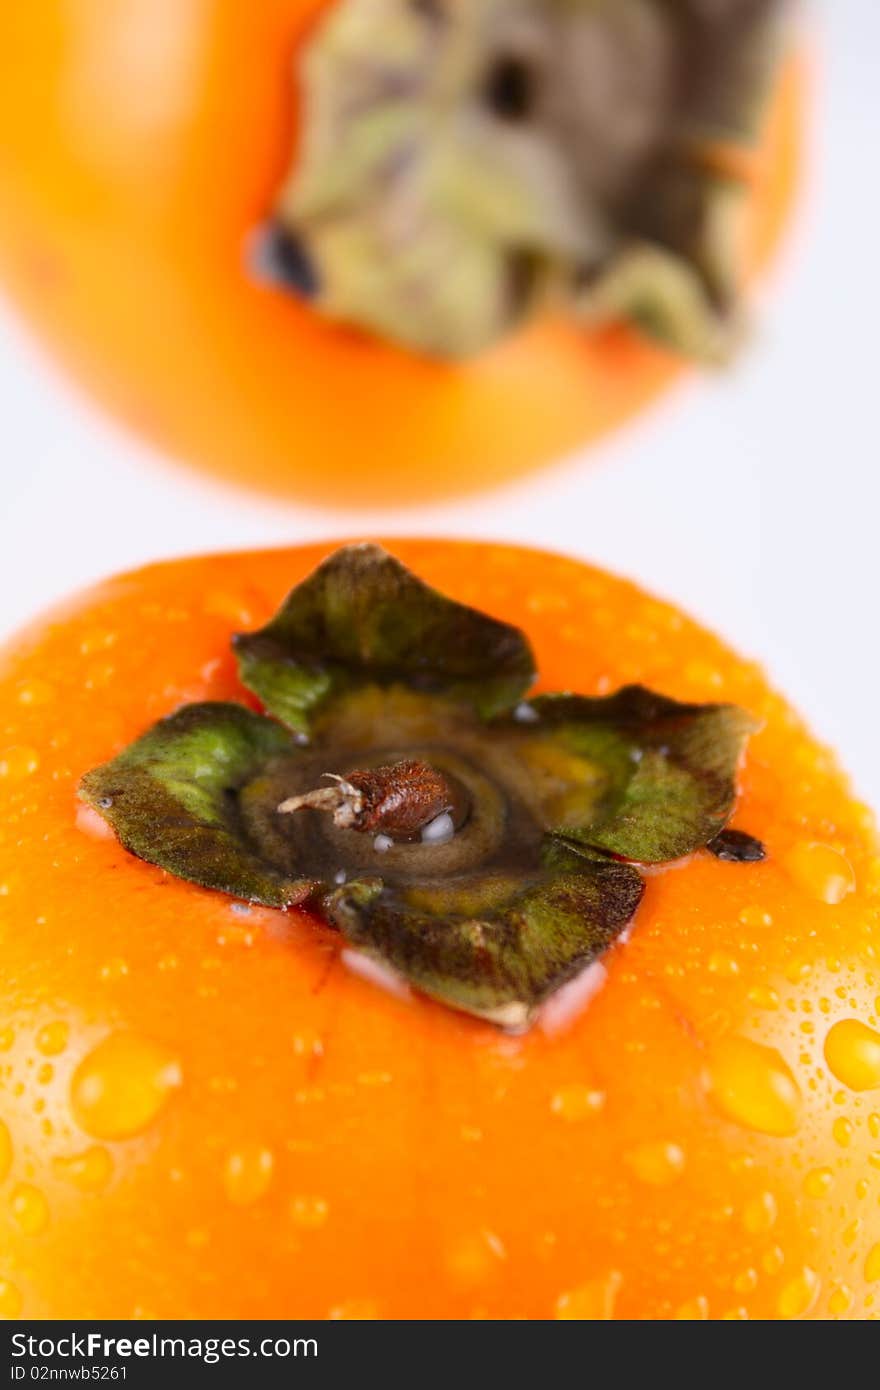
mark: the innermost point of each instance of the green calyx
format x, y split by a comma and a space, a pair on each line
462, 167
173, 798
522, 868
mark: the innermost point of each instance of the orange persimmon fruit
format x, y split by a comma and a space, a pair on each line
207, 1114
141, 145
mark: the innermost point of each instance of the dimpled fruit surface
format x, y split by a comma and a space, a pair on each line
210, 1109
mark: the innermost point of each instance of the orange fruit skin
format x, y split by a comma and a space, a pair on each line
140, 147
296, 1141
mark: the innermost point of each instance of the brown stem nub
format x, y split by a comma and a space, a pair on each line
397, 800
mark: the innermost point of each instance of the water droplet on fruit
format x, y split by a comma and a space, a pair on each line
720, 963
796, 971
121, 1086
694, 1310
852, 1051
307, 1043
232, 608
52, 1039
309, 1213
247, 1174
842, 1130
375, 1078
439, 831
577, 1102
656, 1164
18, 762
798, 1296
98, 640
755, 917
818, 1183
824, 873
35, 692
752, 1085
473, 1258
759, 1213
702, 674
5, 1150
90, 1170
746, 1281
10, 1300
592, 1302
840, 1300
114, 969
773, 1259
29, 1208
525, 713
763, 997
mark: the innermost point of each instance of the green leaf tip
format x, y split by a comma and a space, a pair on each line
172, 798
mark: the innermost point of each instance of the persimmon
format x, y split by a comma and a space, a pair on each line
142, 149
216, 1108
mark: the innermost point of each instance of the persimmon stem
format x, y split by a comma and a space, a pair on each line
397, 800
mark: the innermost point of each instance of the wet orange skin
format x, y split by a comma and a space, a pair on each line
140, 146
318, 1147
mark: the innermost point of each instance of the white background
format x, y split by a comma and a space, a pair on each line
752, 500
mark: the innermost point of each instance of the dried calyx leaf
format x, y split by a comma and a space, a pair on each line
502, 156
482, 846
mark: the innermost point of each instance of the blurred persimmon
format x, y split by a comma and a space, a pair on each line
144, 143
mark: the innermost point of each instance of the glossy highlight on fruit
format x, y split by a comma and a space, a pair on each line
210, 1112
143, 145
